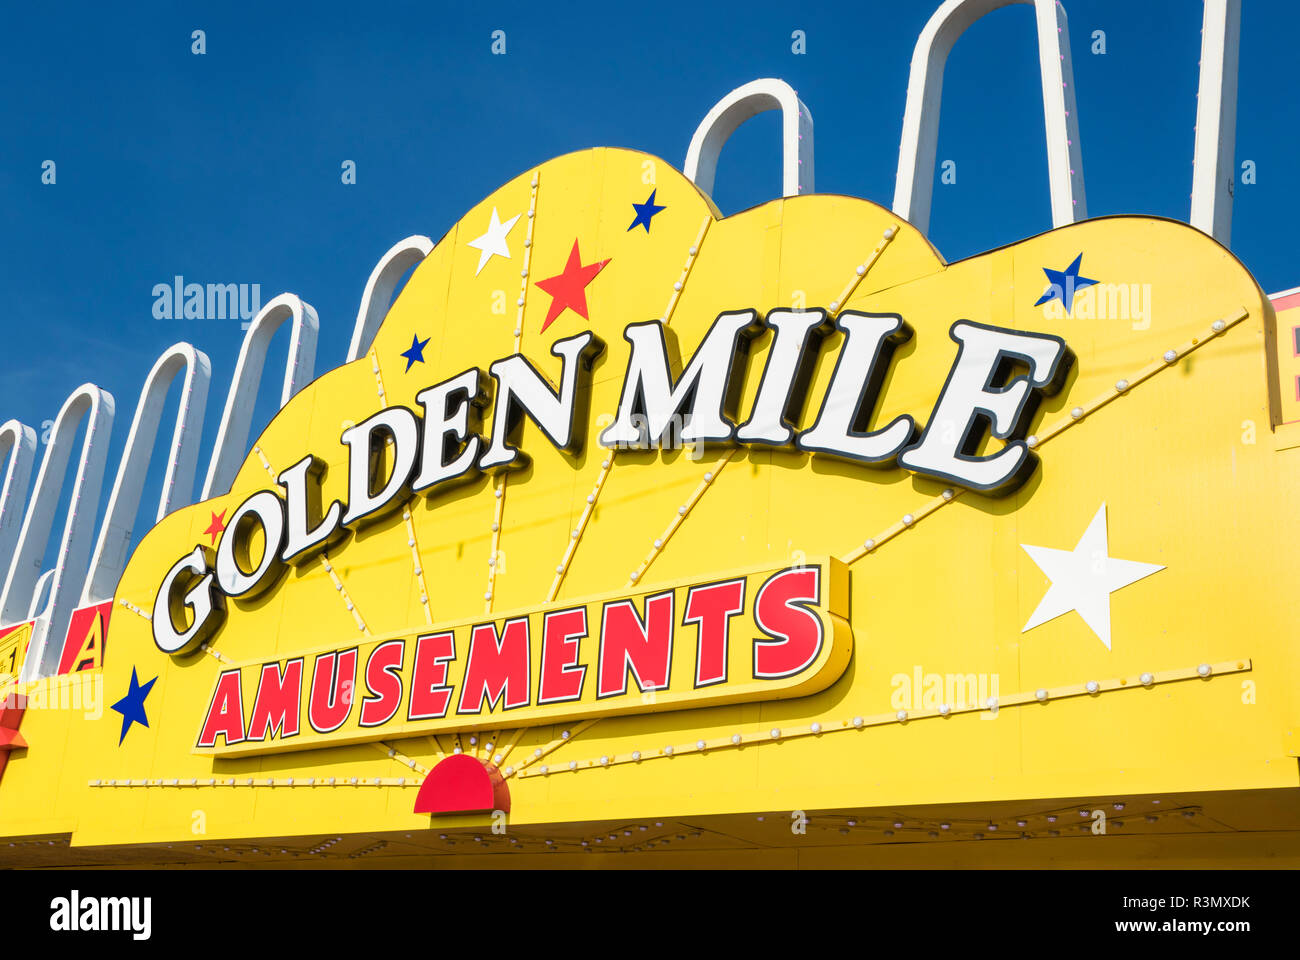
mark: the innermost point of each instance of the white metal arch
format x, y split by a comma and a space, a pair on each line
95, 406
41, 596
18, 443
378, 295
1214, 156
916, 153
109, 559
734, 109
237, 417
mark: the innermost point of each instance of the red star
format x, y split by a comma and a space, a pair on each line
217, 525
569, 289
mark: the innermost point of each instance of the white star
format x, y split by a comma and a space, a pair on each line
1084, 578
493, 243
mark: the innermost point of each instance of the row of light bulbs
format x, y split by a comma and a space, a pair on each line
752, 738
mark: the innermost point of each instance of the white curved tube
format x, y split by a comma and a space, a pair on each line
734, 109
41, 596
88, 402
237, 417
109, 558
378, 295
1214, 160
18, 443
916, 152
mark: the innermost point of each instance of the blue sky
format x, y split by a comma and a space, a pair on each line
225, 167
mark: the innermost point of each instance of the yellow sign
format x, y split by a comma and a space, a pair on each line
1038, 504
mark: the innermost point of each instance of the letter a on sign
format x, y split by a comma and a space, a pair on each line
83, 649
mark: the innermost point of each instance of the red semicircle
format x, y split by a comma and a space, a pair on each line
463, 784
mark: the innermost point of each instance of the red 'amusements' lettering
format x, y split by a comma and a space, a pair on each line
497, 666
385, 681
430, 693
626, 643
225, 712
275, 709
562, 675
779, 612
711, 608
751, 631
333, 682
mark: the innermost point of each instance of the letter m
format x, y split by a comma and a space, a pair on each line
276, 709
114, 913
963, 689
223, 301
1117, 301
705, 396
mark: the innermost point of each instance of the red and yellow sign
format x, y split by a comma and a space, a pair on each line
761, 635
83, 649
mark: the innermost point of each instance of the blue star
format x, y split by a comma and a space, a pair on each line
131, 707
416, 353
1064, 285
644, 211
